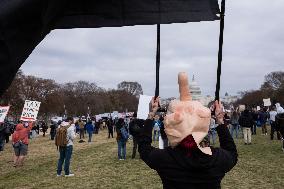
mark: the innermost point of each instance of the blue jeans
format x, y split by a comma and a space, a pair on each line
65, 154
90, 136
234, 127
121, 149
212, 134
156, 135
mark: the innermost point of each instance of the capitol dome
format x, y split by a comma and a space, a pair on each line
195, 90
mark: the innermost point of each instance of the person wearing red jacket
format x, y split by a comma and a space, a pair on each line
20, 142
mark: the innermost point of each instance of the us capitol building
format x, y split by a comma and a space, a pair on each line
196, 94
205, 100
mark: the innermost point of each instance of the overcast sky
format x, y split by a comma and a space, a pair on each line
253, 47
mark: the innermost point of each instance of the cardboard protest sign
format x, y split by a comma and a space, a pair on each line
30, 110
267, 102
143, 106
3, 112
242, 108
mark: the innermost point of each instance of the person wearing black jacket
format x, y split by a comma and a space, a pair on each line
4, 131
135, 126
246, 122
186, 164
279, 122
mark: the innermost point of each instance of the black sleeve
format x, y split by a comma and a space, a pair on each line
228, 150
148, 153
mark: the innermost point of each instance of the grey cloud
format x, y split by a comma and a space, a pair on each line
253, 45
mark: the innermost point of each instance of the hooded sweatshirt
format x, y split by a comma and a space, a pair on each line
180, 171
71, 134
21, 133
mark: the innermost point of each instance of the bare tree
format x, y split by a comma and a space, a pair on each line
133, 88
273, 80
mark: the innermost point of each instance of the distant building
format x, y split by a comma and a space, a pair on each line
196, 94
195, 90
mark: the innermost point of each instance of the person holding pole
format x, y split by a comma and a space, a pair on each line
188, 163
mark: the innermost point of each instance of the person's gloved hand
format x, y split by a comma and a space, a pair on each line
185, 116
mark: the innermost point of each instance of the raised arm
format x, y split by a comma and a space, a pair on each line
147, 152
229, 155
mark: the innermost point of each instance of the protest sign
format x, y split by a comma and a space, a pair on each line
267, 102
143, 106
242, 108
258, 108
3, 112
30, 110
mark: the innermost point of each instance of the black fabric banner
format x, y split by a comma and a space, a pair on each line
24, 24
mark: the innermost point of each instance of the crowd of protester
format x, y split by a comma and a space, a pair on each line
241, 125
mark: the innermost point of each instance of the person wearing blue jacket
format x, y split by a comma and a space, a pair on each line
90, 130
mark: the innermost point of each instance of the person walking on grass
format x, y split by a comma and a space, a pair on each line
90, 130
121, 139
20, 142
65, 135
234, 124
135, 126
110, 128
82, 128
4, 131
246, 122
274, 127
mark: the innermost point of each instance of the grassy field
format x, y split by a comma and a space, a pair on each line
95, 165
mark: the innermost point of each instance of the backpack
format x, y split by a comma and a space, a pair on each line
61, 136
124, 133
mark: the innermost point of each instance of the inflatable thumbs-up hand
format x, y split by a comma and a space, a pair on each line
185, 117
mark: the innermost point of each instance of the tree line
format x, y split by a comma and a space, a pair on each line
74, 98
272, 87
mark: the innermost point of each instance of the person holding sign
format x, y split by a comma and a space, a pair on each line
20, 142
187, 163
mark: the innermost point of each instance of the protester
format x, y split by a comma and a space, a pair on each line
110, 128
274, 127
82, 128
135, 126
65, 136
90, 130
234, 124
263, 117
44, 128
77, 127
156, 128
163, 133
186, 164
20, 142
212, 130
4, 131
53, 127
256, 120
34, 131
121, 141
246, 122
279, 121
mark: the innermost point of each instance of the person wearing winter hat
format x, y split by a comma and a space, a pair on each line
186, 163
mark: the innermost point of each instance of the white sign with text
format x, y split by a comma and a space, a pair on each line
3, 112
267, 102
30, 110
143, 106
